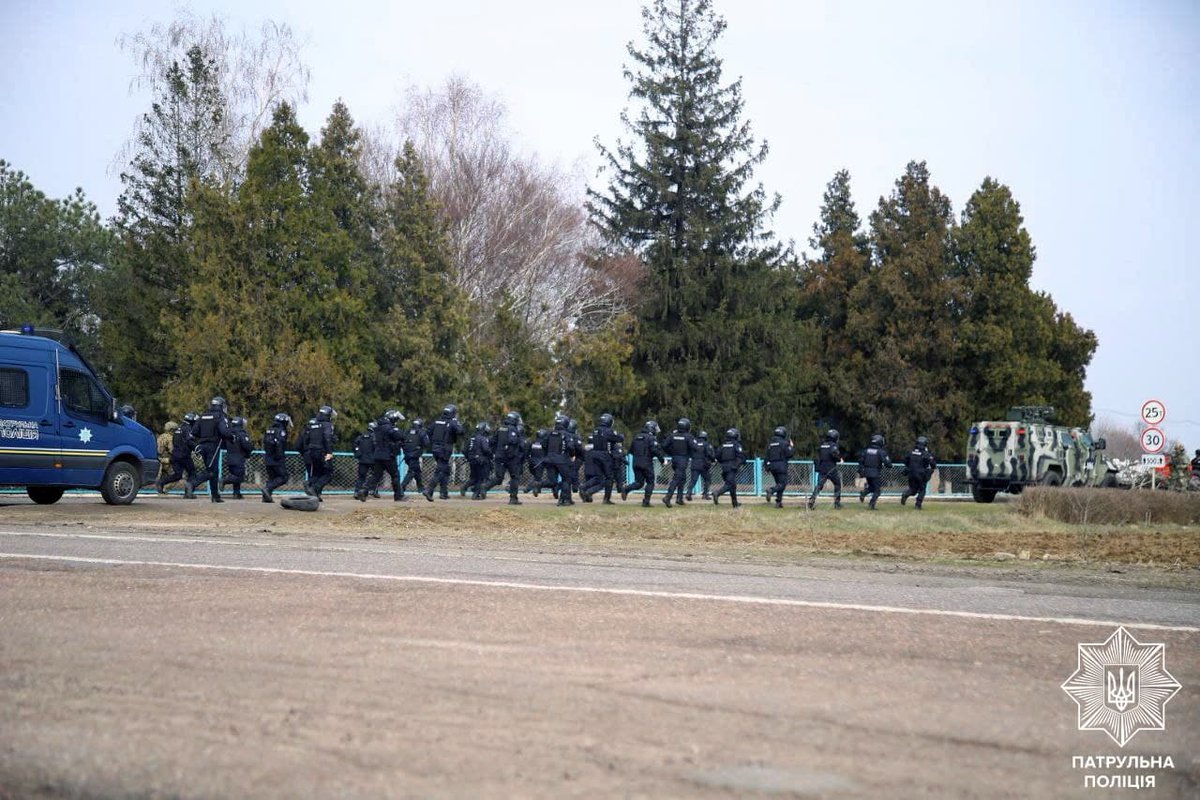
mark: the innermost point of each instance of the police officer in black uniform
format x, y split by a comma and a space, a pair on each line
536, 456
212, 432
618, 457
275, 445
236, 452
679, 447
703, 456
318, 451
828, 458
414, 444
443, 435
731, 457
558, 447
919, 464
577, 453
603, 441
509, 453
779, 450
387, 446
479, 460
645, 448
871, 463
183, 441
364, 454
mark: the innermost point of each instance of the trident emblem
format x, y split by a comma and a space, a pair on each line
1121, 685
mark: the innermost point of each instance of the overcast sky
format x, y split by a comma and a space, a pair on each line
1087, 110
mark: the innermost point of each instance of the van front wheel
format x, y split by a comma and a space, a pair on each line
44, 495
121, 484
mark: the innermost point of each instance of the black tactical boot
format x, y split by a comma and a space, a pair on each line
189, 491
513, 501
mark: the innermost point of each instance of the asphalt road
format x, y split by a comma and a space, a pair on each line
178, 665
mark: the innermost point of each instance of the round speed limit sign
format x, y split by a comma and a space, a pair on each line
1153, 440
1153, 412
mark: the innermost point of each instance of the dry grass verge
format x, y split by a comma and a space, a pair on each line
1110, 507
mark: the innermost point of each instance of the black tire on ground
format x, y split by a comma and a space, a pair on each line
1052, 479
1109, 481
121, 483
300, 503
982, 495
44, 495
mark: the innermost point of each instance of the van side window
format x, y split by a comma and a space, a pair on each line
14, 388
81, 395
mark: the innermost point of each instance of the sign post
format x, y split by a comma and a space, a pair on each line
1153, 440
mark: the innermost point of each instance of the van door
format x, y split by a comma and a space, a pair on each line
88, 431
29, 436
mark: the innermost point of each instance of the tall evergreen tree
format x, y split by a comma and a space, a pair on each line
1014, 346
719, 339
419, 347
841, 262
181, 142
278, 314
902, 318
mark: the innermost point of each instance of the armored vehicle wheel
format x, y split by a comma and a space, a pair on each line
301, 503
121, 483
1052, 479
44, 495
982, 495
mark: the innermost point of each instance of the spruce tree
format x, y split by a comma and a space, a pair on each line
1014, 346
181, 142
719, 340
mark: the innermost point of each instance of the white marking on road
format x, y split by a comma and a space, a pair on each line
542, 587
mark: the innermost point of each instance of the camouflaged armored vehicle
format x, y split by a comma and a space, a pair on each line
1027, 450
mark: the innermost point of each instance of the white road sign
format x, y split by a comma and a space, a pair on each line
1153, 412
1153, 440
1154, 460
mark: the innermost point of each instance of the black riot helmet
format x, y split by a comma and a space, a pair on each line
877, 440
450, 411
372, 425
606, 420
239, 423
283, 420
418, 423
326, 413
572, 425
651, 427
483, 427
684, 424
732, 435
191, 417
393, 416
702, 435
512, 419
542, 433
128, 411
781, 432
832, 435
218, 402
922, 442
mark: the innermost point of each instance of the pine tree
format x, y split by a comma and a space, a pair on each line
903, 315
181, 142
419, 351
1014, 346
718, 337
843, 260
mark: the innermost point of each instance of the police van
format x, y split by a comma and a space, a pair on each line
60, 428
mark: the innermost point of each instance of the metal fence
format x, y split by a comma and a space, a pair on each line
948, 480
